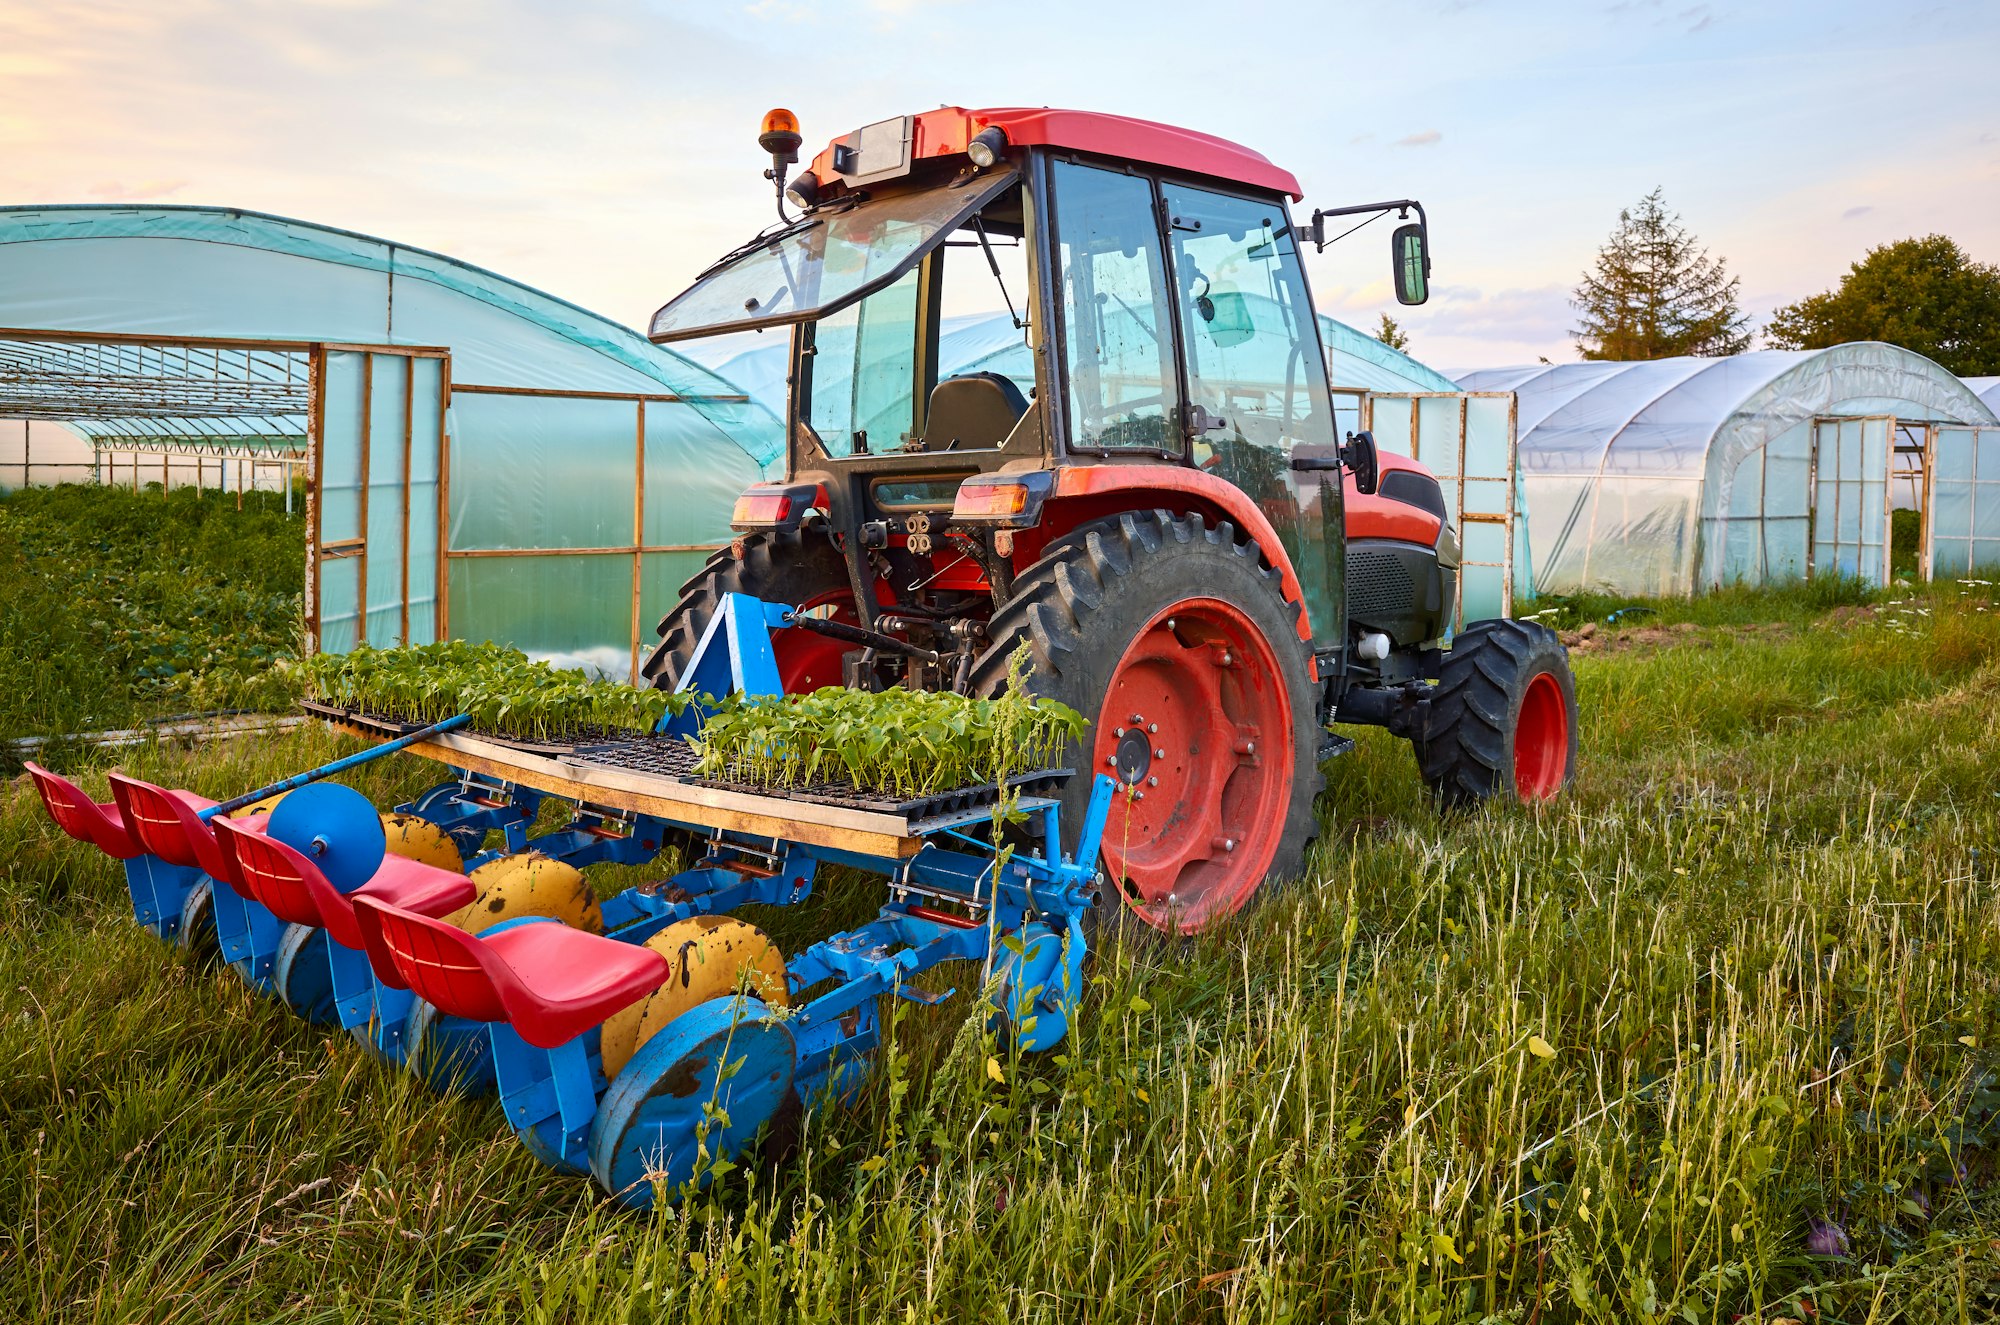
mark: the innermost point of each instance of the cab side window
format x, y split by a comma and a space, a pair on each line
1253, 365
1118, 344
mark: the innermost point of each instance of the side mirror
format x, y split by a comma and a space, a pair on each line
1410, 259
1359, 456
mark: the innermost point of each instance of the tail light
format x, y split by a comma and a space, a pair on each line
1006, 501
774, 506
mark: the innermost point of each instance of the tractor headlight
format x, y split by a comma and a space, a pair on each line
987, 145
804, 191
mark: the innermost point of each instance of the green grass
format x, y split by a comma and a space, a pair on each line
116, 606
1602, 1061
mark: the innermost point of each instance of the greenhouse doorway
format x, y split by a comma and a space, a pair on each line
1850, 482
378, 481
1467, 439
1962, 501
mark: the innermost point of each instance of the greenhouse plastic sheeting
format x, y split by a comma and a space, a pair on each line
1987, 389
1656, 477
203, 271
561, 475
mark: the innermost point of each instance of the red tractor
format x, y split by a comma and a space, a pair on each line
1155, 499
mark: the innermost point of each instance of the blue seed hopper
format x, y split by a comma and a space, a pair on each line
642, 1036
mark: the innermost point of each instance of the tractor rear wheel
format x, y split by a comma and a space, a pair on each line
1176, 641
1503, 717
802, 569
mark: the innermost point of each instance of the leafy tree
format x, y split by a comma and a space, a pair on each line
1391, 333
1654, 292
1926, 295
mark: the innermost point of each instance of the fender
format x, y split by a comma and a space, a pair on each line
1089, 492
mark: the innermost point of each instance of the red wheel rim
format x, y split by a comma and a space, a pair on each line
806, 661
1541, 740
1197, 727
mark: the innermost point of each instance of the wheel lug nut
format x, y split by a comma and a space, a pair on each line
1152, 782
1227, 658
1246, 747
1111, 760
1159, 754
1137, 719
1153, 728
1170, 623
1138, 795
1225, 843
1117, 731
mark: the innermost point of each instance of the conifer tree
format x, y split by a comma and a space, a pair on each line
1653, 292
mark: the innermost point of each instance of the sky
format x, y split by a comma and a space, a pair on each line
605, 150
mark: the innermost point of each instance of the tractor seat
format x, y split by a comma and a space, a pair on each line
292, 888
97, 823
169, 825
550, 982
973, 412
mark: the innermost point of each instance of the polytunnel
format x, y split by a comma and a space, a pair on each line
484, 461
1662, 477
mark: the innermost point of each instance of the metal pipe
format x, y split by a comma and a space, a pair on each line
874, 639
337, 766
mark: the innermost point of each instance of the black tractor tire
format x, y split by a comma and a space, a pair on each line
1187, 588
1502, 718
796, 567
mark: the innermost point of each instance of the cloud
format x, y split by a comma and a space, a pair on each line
1853, 213
1428, 138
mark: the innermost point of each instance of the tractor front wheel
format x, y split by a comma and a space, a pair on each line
1176, 641
1503, 717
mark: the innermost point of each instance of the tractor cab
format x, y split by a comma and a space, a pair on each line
1162, 318
1137, 483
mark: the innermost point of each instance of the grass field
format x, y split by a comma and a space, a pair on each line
117, 607
1710, 1039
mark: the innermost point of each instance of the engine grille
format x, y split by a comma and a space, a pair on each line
1379, 585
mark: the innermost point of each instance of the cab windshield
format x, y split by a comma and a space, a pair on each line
824, 262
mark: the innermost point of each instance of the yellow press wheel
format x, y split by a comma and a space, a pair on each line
265, 806
529, 884
415, 838
711, 956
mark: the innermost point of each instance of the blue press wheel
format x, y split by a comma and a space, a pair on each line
336, 828
452, 1055
302, 976
649, 1130
197, 931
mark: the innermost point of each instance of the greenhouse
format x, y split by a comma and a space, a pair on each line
1987, 389
1669, 476
487, 461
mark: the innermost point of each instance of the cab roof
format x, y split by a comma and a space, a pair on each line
947, 130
